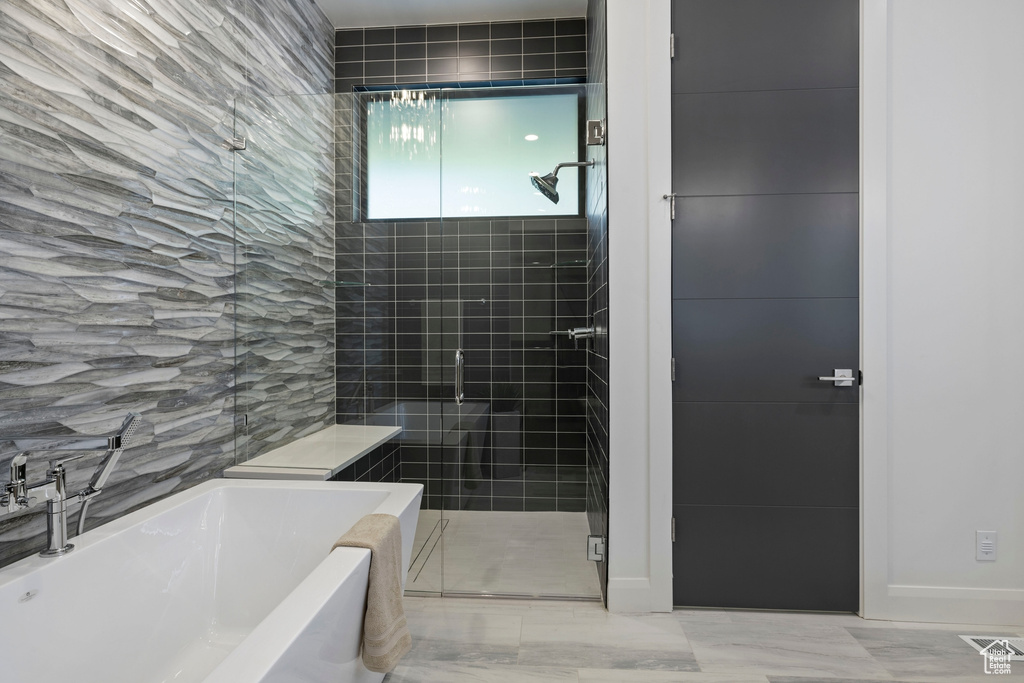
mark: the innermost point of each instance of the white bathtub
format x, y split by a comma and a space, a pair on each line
231, 581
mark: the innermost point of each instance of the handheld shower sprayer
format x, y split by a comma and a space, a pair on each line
546, 184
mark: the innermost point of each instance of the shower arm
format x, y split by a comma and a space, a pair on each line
572, 164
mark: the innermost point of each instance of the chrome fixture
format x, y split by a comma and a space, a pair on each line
671, 198
595, 132
546, 184
840, 378
460, 376
18, 494
577, 333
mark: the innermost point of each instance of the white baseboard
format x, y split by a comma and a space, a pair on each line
951, 605
629, 595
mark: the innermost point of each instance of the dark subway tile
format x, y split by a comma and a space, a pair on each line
507, 504
571, 43
352, 53
410, 34
507, 63
377, 69
571, 60
442, 32
442, 66
474, 31
474, 48
507, 29
538, 62
442, 49
509, 46
533, 46
349, 71
378, 52
411, 67
541, 489
349, 37
411, 51
377, 36
572, 505
410, 79
538, 28
571, 27
379, 80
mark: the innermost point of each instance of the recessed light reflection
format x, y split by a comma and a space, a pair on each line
531, 137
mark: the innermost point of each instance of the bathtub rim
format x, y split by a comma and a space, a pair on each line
267, 644
400, 496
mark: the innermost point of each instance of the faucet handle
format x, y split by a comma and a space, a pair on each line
16, 493
18, 465
60, 460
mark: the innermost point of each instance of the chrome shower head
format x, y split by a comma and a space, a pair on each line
546, 185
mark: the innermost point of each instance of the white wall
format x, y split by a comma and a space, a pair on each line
954, 460
942, 307
639, 326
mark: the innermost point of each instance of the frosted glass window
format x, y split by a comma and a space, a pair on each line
470, 156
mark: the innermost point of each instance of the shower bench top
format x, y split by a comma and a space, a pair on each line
316, 457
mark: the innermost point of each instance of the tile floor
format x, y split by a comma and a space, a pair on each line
463, 640
509, 553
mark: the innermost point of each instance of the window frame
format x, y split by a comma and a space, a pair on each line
377, 93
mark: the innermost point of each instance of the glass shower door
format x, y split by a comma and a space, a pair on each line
513, 281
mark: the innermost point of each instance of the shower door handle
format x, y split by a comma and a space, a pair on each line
460, 376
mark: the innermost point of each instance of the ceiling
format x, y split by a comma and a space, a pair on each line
356, 13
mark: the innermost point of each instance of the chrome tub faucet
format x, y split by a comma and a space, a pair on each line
19, 495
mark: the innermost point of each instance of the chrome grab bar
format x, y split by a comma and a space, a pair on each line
460, 377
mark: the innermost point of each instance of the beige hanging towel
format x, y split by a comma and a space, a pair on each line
386, 635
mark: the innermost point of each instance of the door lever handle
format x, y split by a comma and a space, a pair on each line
840, 377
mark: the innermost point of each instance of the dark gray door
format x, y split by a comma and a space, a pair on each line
765, 286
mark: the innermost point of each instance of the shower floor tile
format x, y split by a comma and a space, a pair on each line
509, 553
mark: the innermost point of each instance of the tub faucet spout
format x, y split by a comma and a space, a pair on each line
18, 495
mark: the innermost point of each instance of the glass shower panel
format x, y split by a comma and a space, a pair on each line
398, 156
284, 256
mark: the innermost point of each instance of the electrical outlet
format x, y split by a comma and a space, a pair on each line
986, 542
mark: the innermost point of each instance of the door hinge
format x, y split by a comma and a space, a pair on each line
595, 548
673, 369
860, 377
671, 199
673, 529
671, 46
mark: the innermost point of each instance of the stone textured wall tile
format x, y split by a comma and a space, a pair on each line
139, 256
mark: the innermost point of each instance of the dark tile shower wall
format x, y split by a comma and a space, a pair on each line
501, 51
597, 294
118, 233
532, 455
519, 281
382, 464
